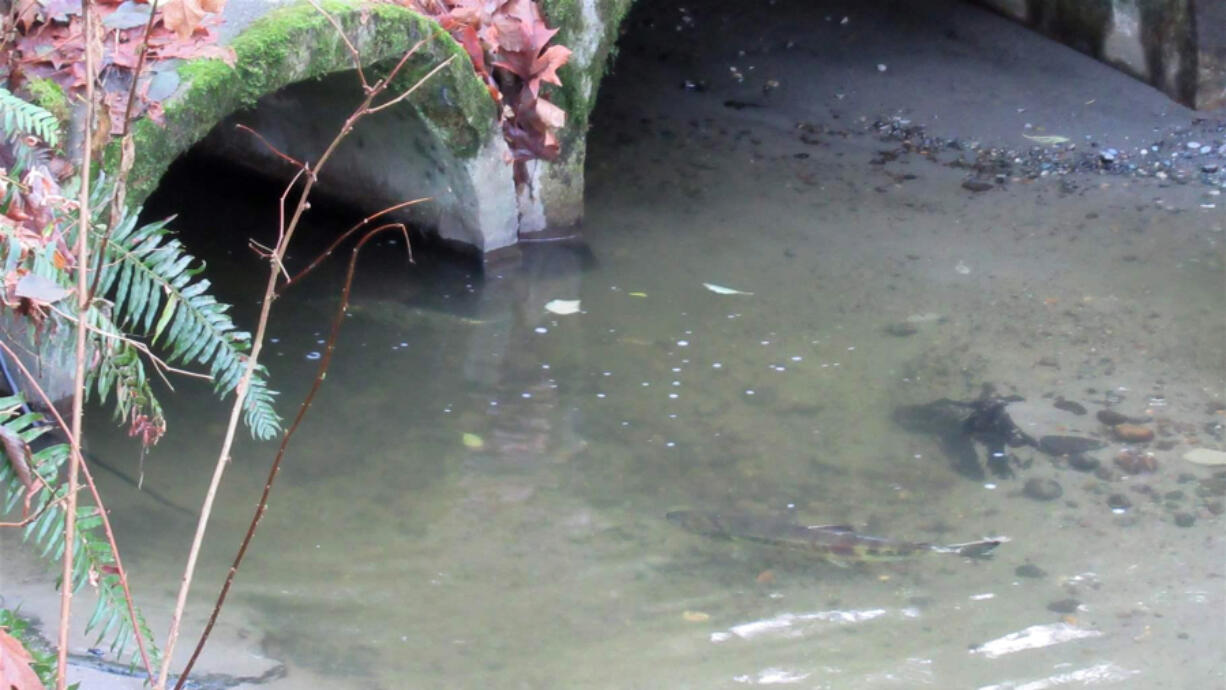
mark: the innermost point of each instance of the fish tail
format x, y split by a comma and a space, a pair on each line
971, 549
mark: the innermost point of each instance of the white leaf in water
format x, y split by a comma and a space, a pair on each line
562, 306
40, 289
721, 290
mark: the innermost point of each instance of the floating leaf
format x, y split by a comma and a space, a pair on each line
472, 441
637, 294
721, 290
562, 306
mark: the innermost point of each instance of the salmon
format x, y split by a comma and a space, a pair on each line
839, 544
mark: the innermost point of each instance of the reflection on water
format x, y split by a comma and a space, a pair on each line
478, 497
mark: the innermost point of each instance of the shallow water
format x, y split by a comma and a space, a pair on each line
396, 554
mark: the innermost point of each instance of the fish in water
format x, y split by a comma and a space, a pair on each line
839, 544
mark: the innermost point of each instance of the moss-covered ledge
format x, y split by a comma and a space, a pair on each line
297, 43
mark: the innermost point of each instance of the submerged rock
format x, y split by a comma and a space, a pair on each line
1068, 445
1043, 489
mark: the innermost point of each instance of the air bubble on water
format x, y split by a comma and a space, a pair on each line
404, 344
602, 396
541, 329
990, 486
796, 358
312, 355
676, 370
683, 343
851, 349
672, 396
544, 366
764, 342
606, 373
671, 444
646, 384
717, 365
676, 383
274, 341
525, 395
748, 391
321, 341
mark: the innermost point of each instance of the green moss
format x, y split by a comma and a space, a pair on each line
49, 95
297, 43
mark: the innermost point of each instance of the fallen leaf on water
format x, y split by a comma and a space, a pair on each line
1047, 139
765, 577
472, 441
637, 294
721, 290
15, 671
696, 616
562, 306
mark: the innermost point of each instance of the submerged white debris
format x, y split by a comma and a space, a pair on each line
790, 624
772, 676
1092, 675
1034, 637
721, 290
562, 306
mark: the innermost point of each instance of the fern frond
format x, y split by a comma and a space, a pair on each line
20, 118
154, 284
94, 559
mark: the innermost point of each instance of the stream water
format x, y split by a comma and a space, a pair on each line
478, 496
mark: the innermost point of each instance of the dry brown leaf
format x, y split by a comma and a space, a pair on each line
182, 16
15, 670
213, 6
20, 458
550, 114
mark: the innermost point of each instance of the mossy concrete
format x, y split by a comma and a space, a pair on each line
298, 47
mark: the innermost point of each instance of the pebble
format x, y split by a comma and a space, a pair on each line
1132, 433
1205, 456
1111, 417
1185, 519
1083, 463
1043, 489
901, 329
1029, 570
1118, 502
1064, 606
1068, 445
1070, 406
977, 185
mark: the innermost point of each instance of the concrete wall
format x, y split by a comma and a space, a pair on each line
1178, 46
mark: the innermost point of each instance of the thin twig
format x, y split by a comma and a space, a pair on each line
290, 159
102, 511
78, 393
353, 51
240, 393
262, 506
413, 88
346, 235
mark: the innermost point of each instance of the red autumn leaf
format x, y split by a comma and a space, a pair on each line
545, 67
15, 670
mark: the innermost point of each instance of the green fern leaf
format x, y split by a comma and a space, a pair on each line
22, 118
